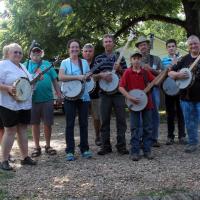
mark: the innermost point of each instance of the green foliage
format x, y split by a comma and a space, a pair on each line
41, 20
165, 31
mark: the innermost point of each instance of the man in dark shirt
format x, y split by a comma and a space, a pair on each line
109, 101
88, 54
172, 103
190, 97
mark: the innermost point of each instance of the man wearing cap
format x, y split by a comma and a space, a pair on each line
154, 64
42, 99
88, 54
136, 77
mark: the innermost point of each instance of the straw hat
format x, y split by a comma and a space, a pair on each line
140, 40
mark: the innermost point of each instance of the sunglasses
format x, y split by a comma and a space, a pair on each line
17, 52
36, 51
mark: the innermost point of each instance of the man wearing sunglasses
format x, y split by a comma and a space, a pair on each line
42, 107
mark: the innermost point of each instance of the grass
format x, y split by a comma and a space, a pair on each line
161, 193
4, 177
3, 194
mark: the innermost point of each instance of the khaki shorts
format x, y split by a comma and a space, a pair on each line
42, 111
95, 106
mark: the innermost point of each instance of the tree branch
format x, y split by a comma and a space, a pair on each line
133, 21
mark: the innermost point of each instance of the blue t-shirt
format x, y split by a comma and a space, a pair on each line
43, 88
166, 61
71, 69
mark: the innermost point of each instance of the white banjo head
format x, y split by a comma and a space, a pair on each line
90, 85
23, 89
170, 87
184, 83
140, 95
109, 86
71, 89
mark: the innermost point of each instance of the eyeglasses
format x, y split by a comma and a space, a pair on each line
17, 52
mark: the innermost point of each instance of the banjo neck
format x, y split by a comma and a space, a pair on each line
156, 81
40, 74
130, 38
191, 68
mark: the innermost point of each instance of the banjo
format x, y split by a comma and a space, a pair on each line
142, 95
111, 87
184, 83
24, 86
170, 87
73, 90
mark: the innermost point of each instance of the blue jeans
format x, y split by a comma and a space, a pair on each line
155, 113
137, 135
71, 107
191, 112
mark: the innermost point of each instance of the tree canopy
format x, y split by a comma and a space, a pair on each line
41, 20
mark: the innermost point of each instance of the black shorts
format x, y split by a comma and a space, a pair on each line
1, 123
11, 118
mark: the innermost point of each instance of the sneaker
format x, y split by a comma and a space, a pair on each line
98, 141
28, 161
135, 157
191, 148
183, 141
70, 157
87, 154
148, 155
123, 151
169, 141
104, 151
6, 166
156, 144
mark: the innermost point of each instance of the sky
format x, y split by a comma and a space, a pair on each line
2, 6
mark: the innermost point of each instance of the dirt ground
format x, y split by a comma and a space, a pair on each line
102, 177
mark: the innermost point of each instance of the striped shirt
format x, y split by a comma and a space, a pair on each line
106, 62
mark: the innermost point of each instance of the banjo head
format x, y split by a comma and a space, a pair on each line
184, 83
140, 94
90, 85
23, 89
170, 87
109, 86
71, 89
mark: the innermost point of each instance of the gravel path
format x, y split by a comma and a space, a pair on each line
110, 177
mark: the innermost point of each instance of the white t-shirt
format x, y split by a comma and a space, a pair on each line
9, 73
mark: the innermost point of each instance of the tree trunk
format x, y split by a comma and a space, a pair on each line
192, 13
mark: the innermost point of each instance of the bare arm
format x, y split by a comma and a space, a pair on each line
63, 77
57, 88
128, 96
8, 88
178, 75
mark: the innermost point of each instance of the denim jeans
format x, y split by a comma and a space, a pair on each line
107, 102
71, 107
155, 113
137, 135
191, 112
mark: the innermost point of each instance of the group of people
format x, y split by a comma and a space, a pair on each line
15, 115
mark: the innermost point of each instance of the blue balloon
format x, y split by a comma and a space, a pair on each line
66, 10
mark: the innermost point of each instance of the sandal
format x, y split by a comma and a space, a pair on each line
50, 151
36, 152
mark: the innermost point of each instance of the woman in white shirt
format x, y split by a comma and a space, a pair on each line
14, 114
